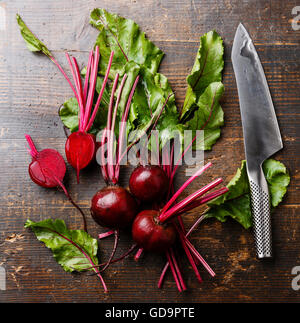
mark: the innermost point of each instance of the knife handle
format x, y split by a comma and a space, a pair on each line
260, 204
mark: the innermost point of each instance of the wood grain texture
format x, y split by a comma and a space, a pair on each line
31, 92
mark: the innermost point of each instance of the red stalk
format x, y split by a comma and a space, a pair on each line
123, 125
173, 271
92, 87
203, 200
162, 276
87, 76
114, 180
77, 80
184, 203
185, 185
101, 92
188, 254
113, 251
110, 131
32, 151
178, 272
138, 254
188, 246
106, 234
199, 257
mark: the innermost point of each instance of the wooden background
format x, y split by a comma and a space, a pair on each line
32, 89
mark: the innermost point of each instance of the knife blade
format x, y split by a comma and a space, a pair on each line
261, 133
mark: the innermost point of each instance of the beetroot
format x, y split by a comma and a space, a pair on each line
152, 235
80, 150
48, 169
113, 207
148, 183
156, 231
81, 146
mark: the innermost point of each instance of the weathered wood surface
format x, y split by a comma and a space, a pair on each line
31, 92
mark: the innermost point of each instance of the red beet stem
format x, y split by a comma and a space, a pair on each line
203, 200
80, 94
91, 92
166, 267
110, 131
173, 271
138, 254
113, 251
184, 203
181, 157
123, 256
103, 162
199, 257
32, 151
106, 234
72, 201
160, 113
177, 269
78, 90
188, 254
123, 127
184, 186
65, 75
101, 92
87, 76
162, 276
111, 168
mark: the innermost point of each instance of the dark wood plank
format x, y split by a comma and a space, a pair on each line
31, 92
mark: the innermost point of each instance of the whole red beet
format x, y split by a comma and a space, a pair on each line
150, 234
148, 183
113, 207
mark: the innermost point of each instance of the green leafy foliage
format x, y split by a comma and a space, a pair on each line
209, 116
236, 202
74, 250
201, 109
136, 55
125, 38
207, 69
32, 42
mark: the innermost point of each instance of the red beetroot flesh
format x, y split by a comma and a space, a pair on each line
80, 149
46, 167
113, 207
150, 235
148, 183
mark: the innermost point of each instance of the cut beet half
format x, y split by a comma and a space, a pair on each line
48, 169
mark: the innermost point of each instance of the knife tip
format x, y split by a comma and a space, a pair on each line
242, 27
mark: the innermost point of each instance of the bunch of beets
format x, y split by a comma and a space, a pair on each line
150, 210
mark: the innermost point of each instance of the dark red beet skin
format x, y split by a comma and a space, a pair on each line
46, 167
151, 235
113, 207
80, 149
148, 183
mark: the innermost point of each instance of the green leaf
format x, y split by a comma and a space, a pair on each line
209, 116
236, 202
74, 250
207, 69
149, 98
32, 42
125, 38
278, 180
136, 55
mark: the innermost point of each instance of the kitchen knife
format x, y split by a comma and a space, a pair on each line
261, 133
